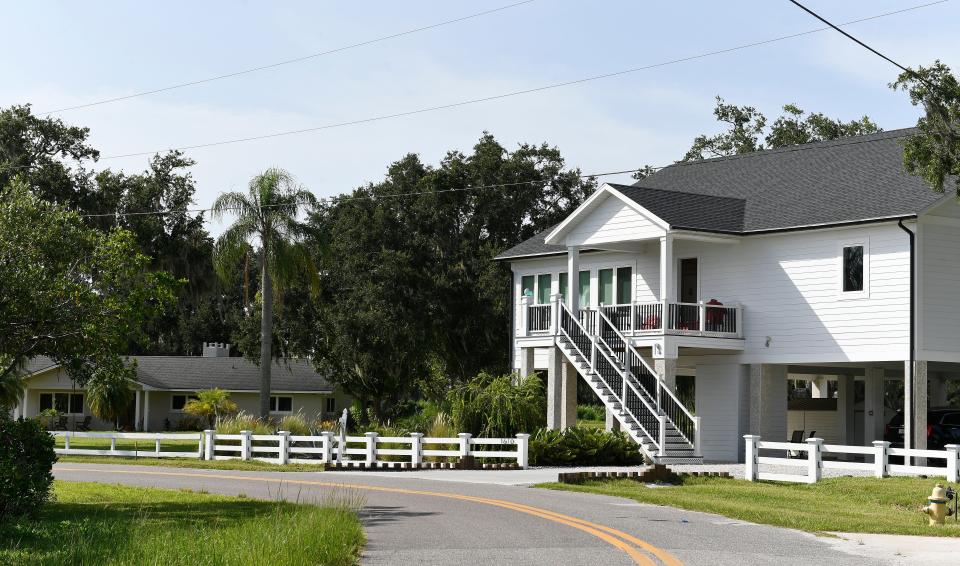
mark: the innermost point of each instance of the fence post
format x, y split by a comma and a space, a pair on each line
523, 448
113, 443
416, 449
464, 444
881, 459
209, 444
814, 456
752, 452
327, 447
283, 457
156, 446
245, 449
662, 419
697, 446
371, 448
66, 441
953, 462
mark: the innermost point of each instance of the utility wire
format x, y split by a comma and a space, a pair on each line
286, 61
377, 197
517, 92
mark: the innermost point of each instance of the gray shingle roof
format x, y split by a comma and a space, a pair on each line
38, 364
847, 180
193, 373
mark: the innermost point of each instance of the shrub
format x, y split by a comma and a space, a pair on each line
26, 458
583, 446
211, 404
188, 424
591, 412
499, 405
244, 421
296, 424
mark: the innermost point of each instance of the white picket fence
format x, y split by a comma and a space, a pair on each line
325, 448
152, 443
810, 461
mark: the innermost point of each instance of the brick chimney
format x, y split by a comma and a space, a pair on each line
216, 350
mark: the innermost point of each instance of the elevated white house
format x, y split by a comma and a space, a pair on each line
743, 273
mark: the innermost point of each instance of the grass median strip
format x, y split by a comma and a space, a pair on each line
855, 505
252, 465
92, 523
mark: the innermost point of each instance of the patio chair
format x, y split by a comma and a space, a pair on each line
61, 424
83, 426
795, 438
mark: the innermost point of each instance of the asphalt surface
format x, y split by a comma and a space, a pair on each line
422, 521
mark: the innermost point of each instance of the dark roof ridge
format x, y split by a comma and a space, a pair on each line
620, 187
821, 144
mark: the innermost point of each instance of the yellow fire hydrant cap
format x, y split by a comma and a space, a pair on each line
939, 495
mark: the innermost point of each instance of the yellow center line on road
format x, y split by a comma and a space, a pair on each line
618, 539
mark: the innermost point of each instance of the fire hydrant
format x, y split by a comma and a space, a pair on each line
937, 508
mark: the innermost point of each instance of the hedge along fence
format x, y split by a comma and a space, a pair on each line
811, 463
153, 444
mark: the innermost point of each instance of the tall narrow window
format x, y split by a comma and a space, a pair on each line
526, 286
543, 288
564, 276
605, 281
624, 280
852, 269
584, 289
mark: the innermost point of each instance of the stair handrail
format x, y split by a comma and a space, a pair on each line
623, 374
660, 384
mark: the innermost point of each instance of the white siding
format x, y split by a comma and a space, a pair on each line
940, 281
612, 221
789, 285
825, 423
720, 404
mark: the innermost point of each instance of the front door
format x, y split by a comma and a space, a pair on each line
689, 295
689, 287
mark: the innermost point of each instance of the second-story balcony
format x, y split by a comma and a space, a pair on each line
710, 319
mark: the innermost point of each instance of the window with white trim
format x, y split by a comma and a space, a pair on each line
281, 404
331, 404
65, 403
854, 269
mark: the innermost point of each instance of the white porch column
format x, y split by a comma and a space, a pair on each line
845, 424
526, 361
136, 411
768, 401
573, 279
568, 395
915, 405
819, 387
873, 418
668, 291
555, 361
146, 409
666, 369
26, 403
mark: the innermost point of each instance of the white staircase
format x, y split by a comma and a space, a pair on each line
647, 410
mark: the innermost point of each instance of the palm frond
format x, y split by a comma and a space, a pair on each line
235, 203
232, 246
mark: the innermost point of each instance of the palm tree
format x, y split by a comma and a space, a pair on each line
11, 389
266, 217
211, 404
109, 395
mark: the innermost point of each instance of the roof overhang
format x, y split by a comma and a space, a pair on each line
558, 235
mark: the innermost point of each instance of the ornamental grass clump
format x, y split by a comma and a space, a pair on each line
296, 424
583, 446
244, 421
499, 406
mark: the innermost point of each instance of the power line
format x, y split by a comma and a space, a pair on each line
286, 61
349, 198
383, 117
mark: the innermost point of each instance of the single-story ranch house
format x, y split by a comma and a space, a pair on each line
165, 383
739, 277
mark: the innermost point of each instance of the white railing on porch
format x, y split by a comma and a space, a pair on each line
809, 460
284, 447
646, 318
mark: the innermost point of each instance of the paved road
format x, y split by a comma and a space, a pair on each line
421, 521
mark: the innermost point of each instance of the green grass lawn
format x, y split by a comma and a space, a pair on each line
591, 423
857, 505
93, 523
253, 465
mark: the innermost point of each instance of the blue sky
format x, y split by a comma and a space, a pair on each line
57, 54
